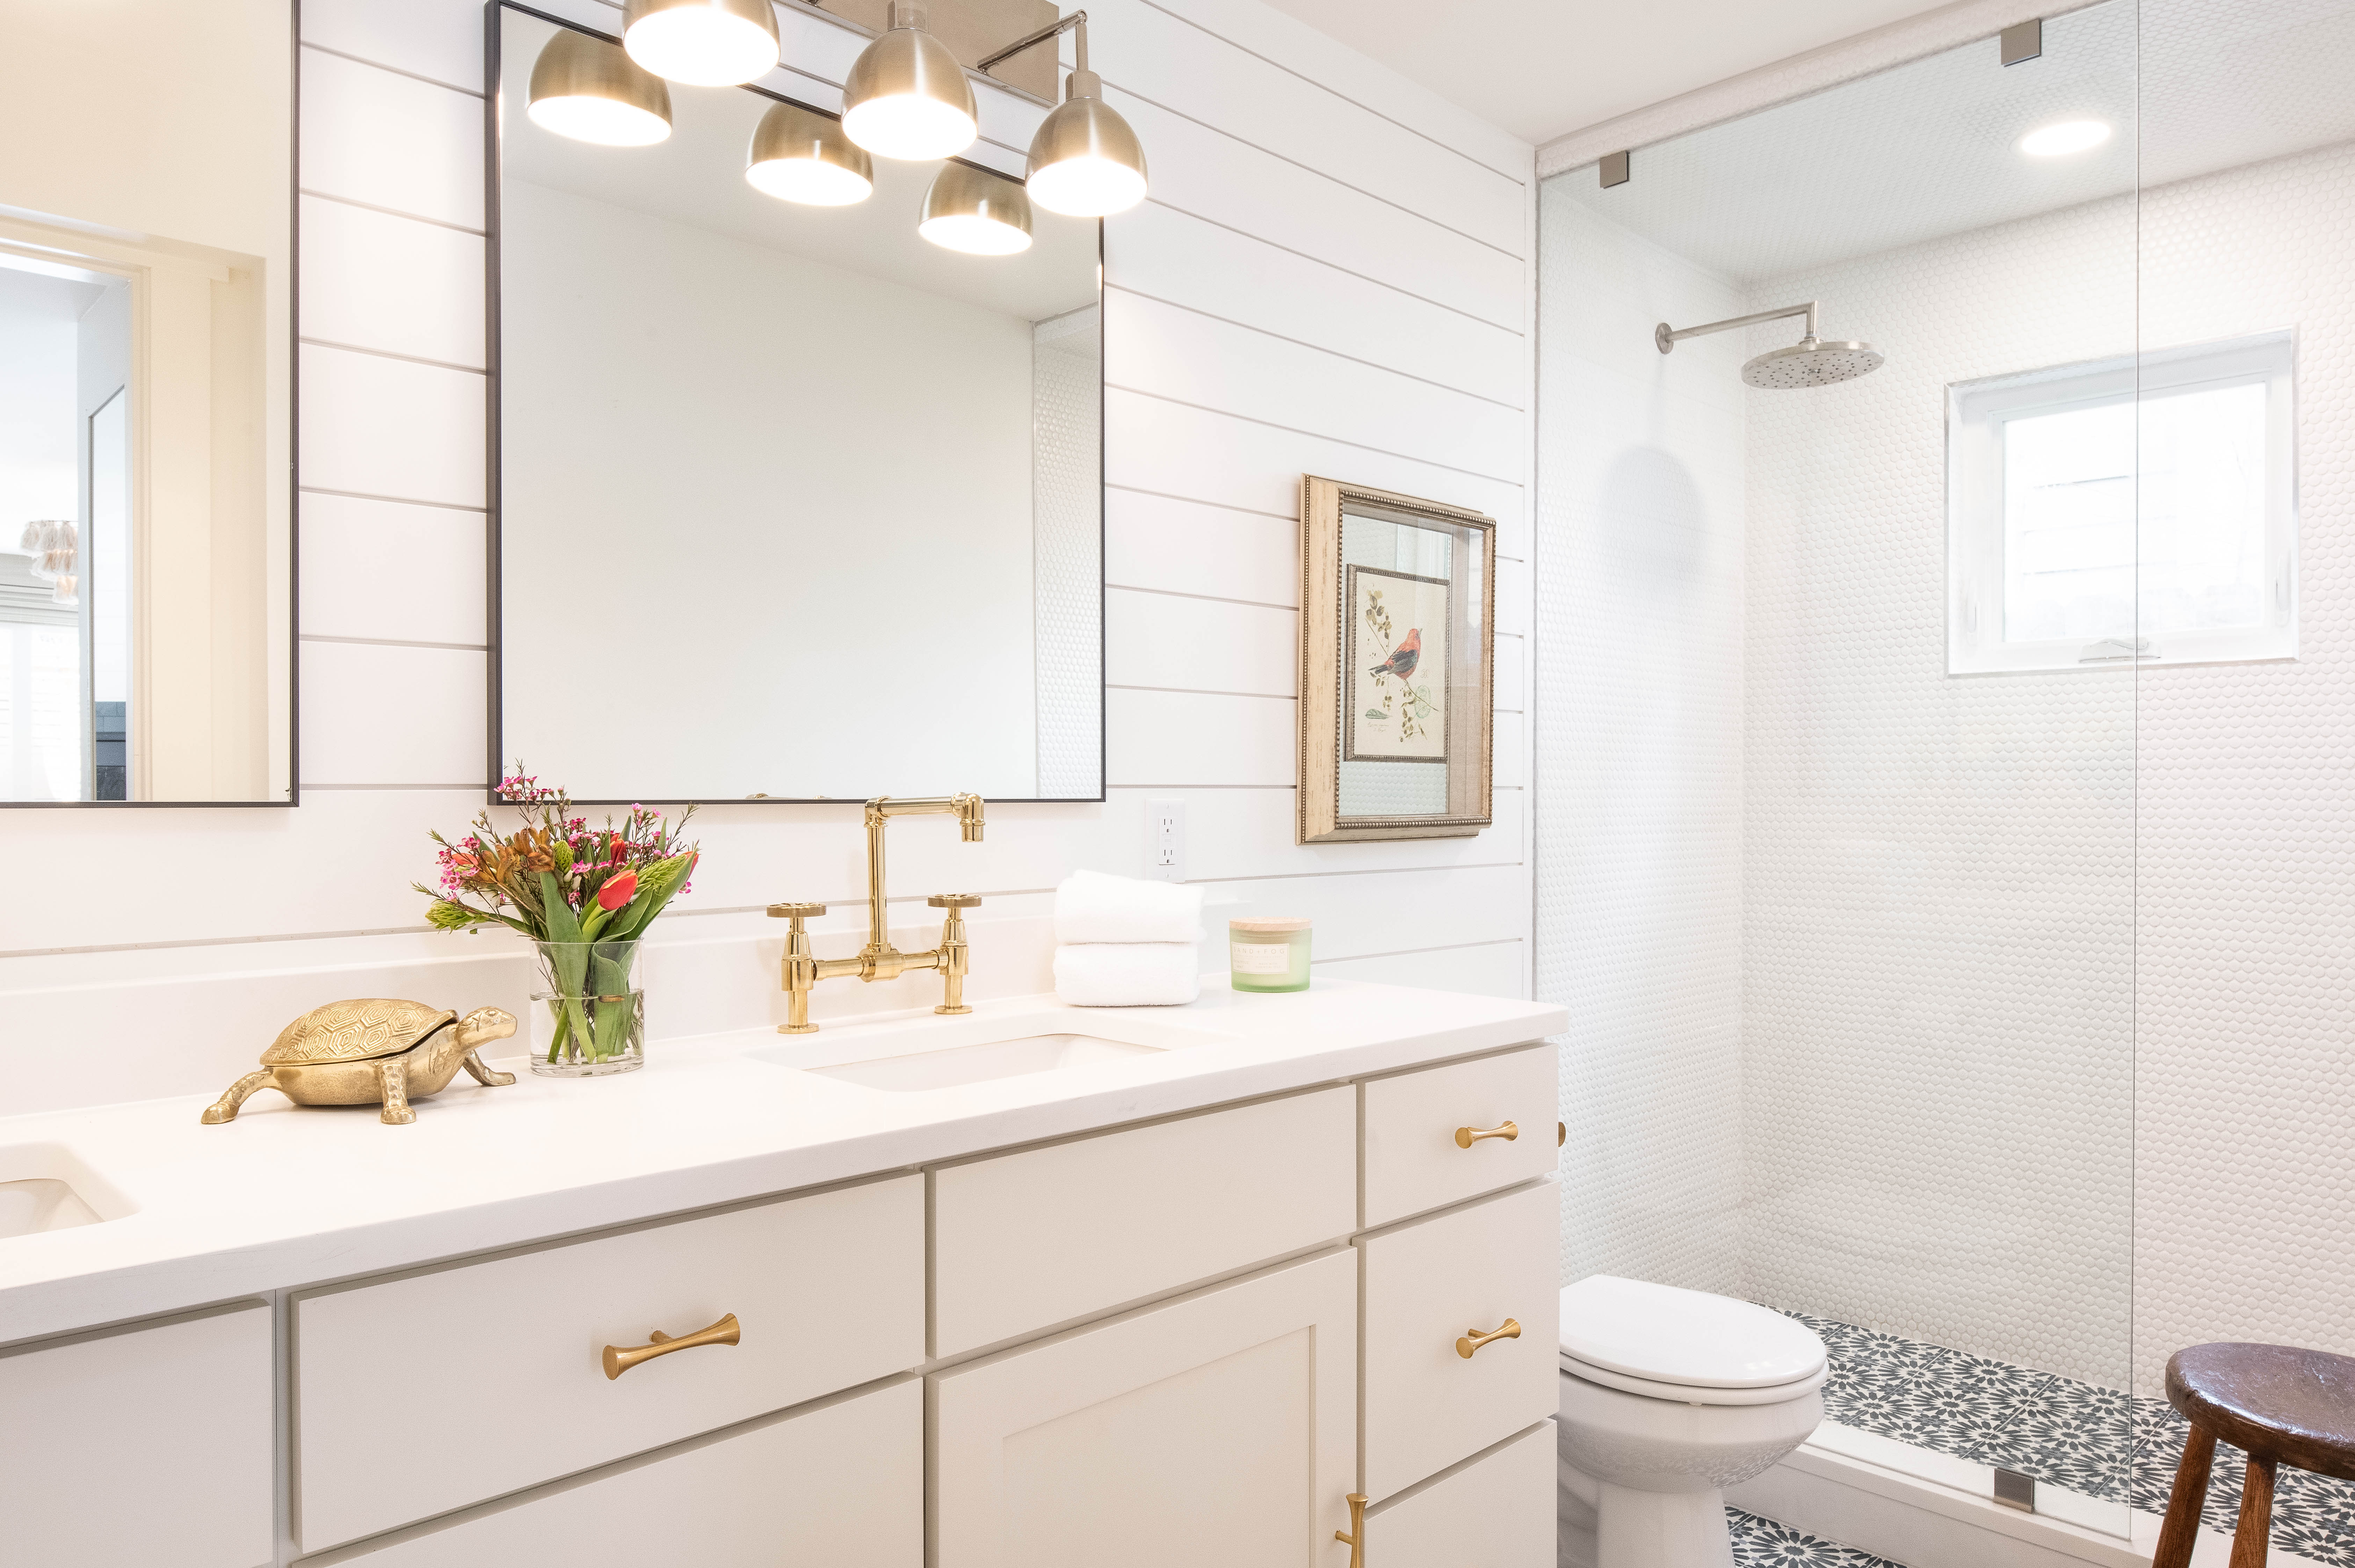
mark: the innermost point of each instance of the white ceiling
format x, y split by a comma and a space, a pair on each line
1928, 148
1544, 68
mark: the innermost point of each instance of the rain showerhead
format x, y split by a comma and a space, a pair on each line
1810, 362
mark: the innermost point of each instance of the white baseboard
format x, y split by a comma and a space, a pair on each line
1927, 1510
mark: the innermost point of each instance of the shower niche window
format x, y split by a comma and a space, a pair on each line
2124, 511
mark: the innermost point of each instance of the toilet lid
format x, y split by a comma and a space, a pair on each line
1687, 1337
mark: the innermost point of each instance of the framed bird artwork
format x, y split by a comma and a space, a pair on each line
1397, 664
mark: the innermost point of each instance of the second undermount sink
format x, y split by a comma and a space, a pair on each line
43, 1187
942, 1054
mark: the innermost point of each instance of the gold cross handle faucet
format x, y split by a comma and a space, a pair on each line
878, 959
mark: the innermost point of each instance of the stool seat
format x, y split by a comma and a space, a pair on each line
2276, 1402
2279, 1404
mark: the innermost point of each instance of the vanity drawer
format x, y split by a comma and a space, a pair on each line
124, 1450
1497, 1512
842, 1485
1026, 1241
1412, 1160
425, 1394
1429, 1284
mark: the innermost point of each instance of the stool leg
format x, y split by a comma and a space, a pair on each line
2256, 1527
2182, 1531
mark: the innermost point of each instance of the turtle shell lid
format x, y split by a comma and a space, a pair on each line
354, 1031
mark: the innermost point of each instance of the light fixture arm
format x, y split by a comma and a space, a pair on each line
1667, 339
1076, 20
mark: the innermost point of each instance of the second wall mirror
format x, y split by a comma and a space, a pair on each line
794, 501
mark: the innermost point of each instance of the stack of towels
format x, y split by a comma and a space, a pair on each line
1125, 943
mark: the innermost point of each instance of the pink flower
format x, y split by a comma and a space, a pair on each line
617, 891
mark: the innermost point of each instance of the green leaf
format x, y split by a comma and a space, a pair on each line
563, 926
1376, 713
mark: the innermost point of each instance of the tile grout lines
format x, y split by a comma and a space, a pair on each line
2099, 1442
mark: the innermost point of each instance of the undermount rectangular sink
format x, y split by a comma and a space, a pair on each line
43, 1187
946, 1053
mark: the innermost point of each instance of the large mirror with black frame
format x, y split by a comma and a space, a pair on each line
146, 330
794, 501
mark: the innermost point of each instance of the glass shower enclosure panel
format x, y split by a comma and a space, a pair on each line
1837, 740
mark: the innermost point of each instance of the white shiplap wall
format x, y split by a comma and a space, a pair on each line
1332, 276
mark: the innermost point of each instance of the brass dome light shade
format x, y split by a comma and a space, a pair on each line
906, 96
588, 89
975, 211
703, 43
1085, 162
800, 156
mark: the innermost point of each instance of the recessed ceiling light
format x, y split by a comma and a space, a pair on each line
2068, 136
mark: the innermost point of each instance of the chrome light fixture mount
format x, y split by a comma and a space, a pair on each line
975, 211
1085, 162
702, 43
800, 156
906, 96
589, 90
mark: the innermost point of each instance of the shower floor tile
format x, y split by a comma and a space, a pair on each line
1761, 1542
2093, 1440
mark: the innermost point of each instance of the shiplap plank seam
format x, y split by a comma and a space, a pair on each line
1312, 435
397, 71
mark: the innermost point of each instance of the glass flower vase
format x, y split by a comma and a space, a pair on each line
588, 1017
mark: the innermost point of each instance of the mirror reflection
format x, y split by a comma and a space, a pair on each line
800, 497
145, 251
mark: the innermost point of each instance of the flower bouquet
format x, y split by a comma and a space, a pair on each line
584, 897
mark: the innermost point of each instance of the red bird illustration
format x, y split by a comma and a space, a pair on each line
1403, 658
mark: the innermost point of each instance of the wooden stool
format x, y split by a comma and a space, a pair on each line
2280, 1405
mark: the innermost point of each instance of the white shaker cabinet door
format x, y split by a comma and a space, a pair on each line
1219, 1429
838, 1486
136, 1449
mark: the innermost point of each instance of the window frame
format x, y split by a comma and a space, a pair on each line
1976, 412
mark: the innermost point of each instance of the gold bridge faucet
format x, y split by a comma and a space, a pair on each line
878, 959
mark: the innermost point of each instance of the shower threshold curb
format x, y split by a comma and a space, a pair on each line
1928, 1509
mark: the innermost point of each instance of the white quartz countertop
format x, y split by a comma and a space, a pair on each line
285, 1196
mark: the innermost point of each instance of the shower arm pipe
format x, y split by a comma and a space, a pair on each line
1667, 339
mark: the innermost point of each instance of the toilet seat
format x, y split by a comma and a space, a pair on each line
1688, 1347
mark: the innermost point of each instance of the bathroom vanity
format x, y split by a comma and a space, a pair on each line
1008, 1289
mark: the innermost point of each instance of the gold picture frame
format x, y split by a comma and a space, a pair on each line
1398, 664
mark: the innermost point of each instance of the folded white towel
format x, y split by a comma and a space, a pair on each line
1092, 908
1127, 974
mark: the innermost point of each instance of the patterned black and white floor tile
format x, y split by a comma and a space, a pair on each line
1761, 1542
2093, 1440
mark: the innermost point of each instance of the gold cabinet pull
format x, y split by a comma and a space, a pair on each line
1354, 1537
1475, 1338
1465, 1137
1560, 1133
727, 1331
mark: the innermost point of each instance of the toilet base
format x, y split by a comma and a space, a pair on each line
1661, 1529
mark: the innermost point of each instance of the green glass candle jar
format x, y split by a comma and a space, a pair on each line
1268, 954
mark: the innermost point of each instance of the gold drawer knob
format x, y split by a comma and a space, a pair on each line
1475, 1338
727, 1331
1465, 1137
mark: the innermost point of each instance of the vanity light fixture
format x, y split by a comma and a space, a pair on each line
800, 156
1085, 162
906, 96
977, 212
589, 90
2065, 137
703, 43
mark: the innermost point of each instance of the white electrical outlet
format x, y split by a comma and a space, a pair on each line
1165, 838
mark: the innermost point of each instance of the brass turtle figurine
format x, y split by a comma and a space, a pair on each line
371, 1050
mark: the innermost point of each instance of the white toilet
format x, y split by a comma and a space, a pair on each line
1667, 1397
